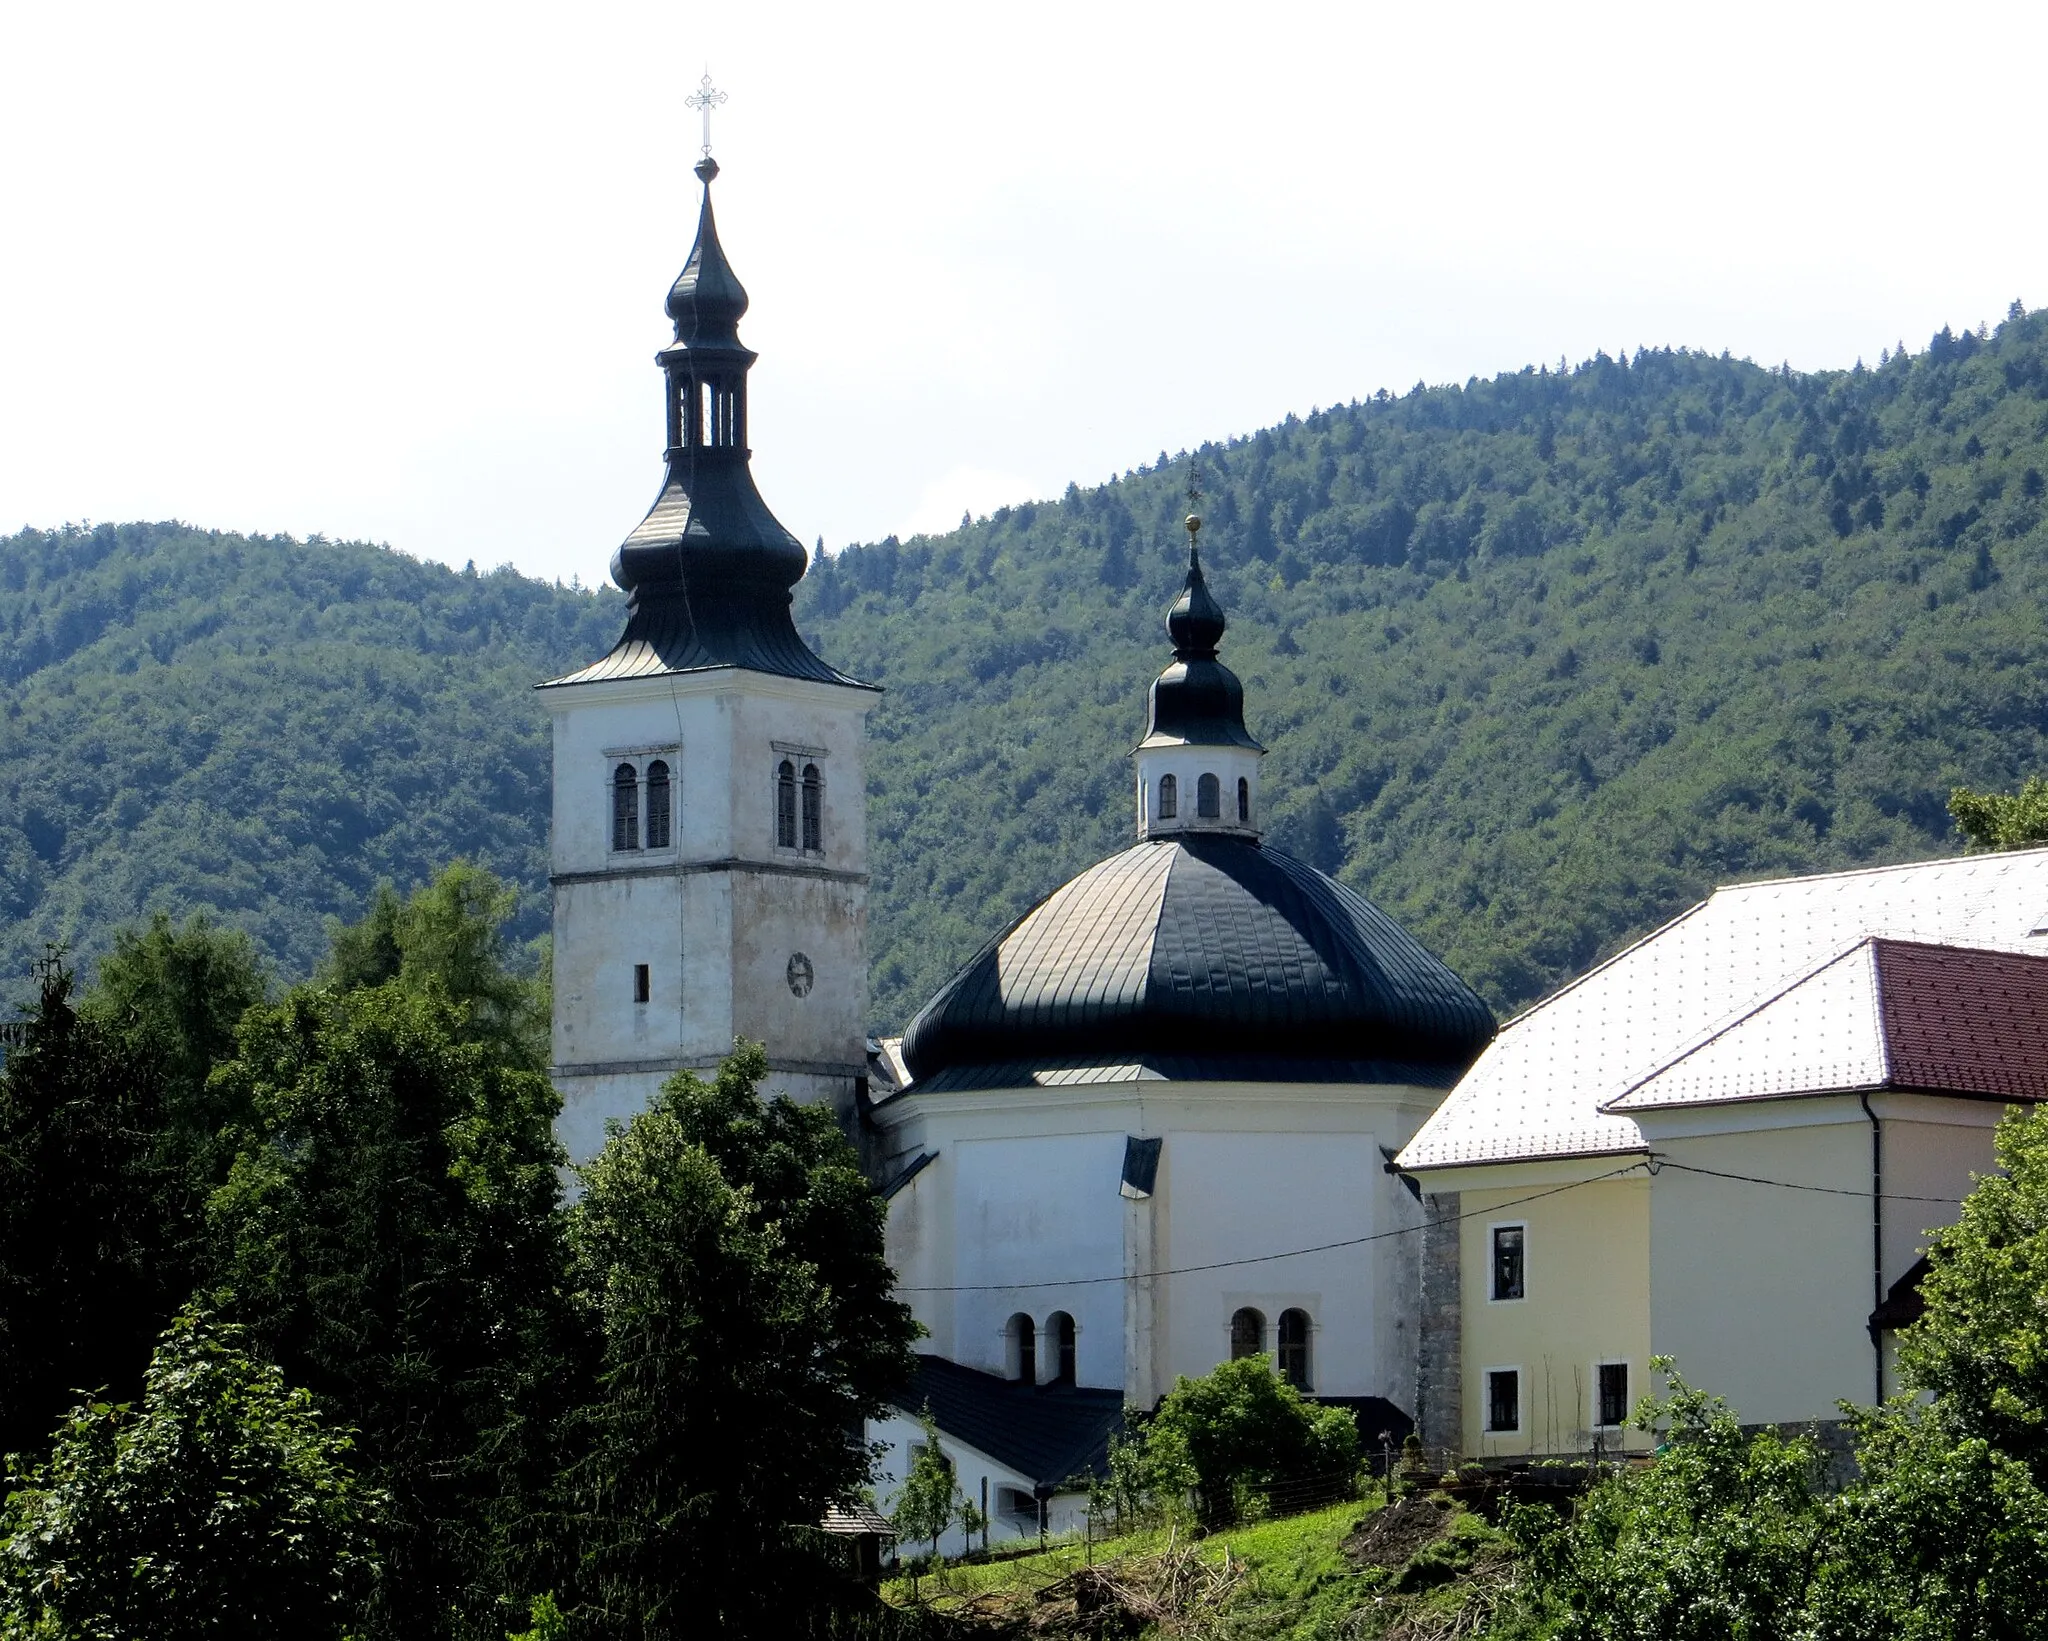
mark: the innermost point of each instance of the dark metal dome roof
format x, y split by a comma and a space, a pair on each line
1206, 958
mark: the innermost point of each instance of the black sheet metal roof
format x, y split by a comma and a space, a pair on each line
1046, 1432
1213, 955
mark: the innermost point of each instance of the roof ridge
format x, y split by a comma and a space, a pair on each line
1740, 1017
1988, 857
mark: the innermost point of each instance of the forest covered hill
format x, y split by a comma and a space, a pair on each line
1538, 659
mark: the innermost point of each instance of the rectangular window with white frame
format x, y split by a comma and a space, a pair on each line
1503, 1391
1610, 1395
1507, 1262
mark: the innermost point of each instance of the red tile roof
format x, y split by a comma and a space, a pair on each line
1962, 1021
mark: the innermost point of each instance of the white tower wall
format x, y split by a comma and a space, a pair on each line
740, 935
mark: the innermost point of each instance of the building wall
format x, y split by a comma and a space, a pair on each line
973, 1471
1587, 1266
1027, 1189
723, 918
1763, 1293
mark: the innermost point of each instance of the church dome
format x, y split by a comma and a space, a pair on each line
1200, 957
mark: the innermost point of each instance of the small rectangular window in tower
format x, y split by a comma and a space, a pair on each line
1613, 1391
1510, 1274
1503, 1399
641, 988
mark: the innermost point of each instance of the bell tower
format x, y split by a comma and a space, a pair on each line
709, 850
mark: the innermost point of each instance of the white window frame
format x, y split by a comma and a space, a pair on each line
1593, 1412
1486, 1424
1521, 1225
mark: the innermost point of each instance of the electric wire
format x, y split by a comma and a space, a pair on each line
1659, 1163
1265, 1259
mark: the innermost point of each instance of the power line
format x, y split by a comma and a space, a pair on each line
1655, 1164
1265, 1259
1658, 1164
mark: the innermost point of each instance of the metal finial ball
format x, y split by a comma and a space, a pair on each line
1194, 523
706, 169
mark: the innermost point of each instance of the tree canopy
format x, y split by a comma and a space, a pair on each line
1538, 659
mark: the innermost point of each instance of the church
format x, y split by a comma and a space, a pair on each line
1147, 1129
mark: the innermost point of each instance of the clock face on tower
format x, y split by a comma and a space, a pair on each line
800, 974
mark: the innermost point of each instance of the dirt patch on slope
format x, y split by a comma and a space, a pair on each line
1389, 1537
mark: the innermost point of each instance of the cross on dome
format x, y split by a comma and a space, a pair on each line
704, 99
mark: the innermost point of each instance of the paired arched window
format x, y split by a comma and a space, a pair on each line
1247, 1334
625, 807
1169, 797
1294, 1336
659, 825
785, 805
1208, 798
1059, 1344
814, 809
1022, 1340
1244, 801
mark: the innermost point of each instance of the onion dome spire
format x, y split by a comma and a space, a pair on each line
1197, 701
710, 568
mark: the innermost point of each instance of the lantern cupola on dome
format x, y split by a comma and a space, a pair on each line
1198, 766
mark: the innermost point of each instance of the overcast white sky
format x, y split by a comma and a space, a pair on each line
395, 271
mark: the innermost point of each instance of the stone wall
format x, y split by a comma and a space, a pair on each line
1439, 1378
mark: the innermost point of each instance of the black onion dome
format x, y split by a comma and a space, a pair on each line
1197, 701
1200, 958
707, 300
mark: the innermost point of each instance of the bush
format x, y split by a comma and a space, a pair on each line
1246, 1442
224, 1508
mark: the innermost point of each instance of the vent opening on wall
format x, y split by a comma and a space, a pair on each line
641, 987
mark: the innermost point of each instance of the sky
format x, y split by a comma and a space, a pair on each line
395, 272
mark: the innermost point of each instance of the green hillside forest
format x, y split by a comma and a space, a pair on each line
1538, 660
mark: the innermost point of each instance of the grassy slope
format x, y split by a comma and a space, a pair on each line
1538, 661
1298, 1581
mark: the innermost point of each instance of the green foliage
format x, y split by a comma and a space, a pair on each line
1250, 1441
263, 729
1998, 820
1981, 1349
930, 1497
1718, 1539
728, 1258
449, 933
390, 1234
223, 1508
1539, 660
96, 1220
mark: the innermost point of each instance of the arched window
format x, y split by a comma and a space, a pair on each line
1169, 797
1208, 798
814, 809
785, 806
1247, 1334
625, 807
657, 805
1244, 801
1023, 1348
1059, 1344
1294, 1332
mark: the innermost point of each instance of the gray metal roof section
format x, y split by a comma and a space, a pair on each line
1203, 954
674, 634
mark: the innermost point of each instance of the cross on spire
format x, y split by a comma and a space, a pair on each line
704, 99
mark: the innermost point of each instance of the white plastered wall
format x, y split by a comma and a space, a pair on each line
720, 918
1027, 1189
1762, 1292
973, 1471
